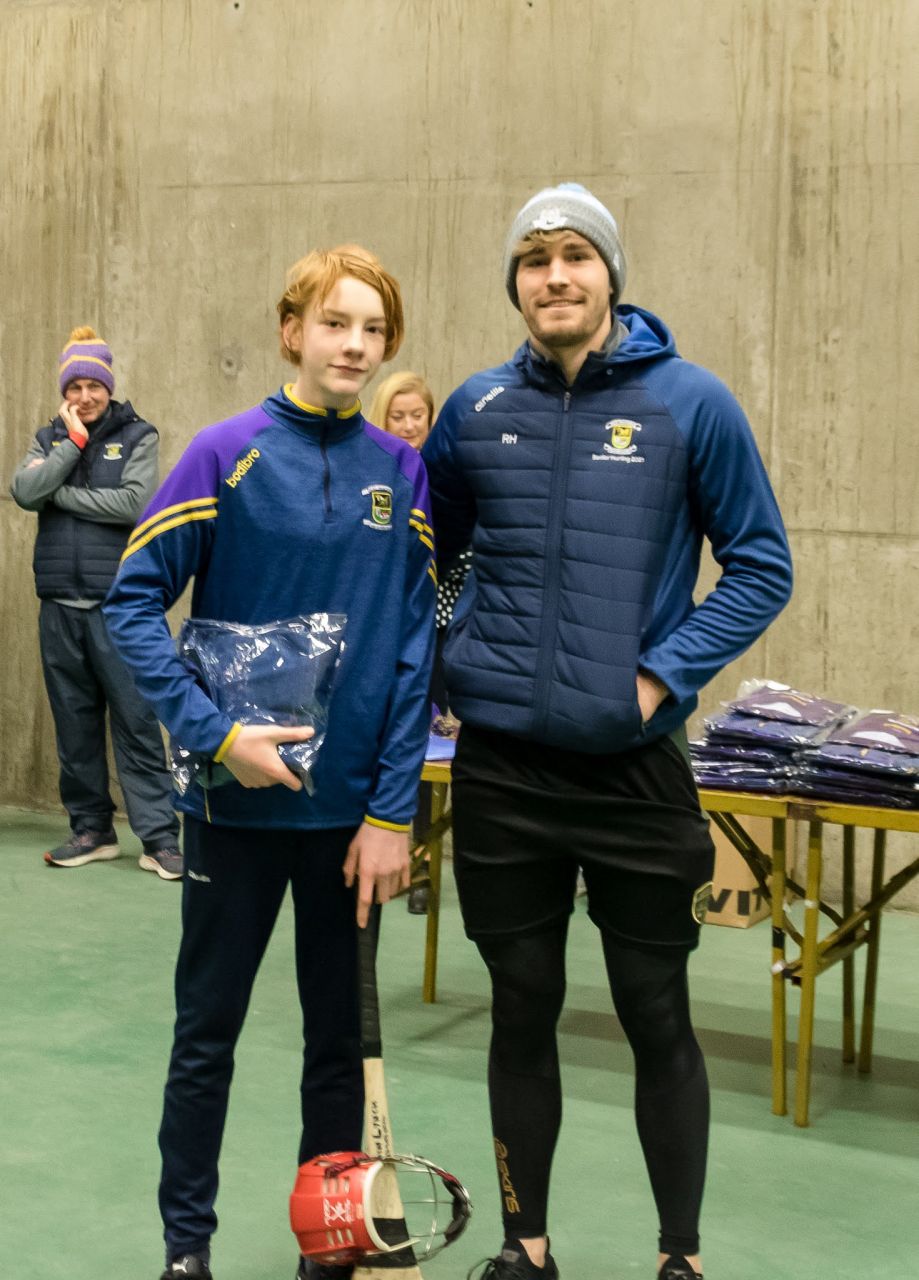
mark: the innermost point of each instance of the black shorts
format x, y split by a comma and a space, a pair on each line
527, 816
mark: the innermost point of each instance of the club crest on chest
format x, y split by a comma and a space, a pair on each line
380, 509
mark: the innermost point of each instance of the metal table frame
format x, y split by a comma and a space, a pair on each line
855, 926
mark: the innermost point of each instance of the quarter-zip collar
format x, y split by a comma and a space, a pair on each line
327, 426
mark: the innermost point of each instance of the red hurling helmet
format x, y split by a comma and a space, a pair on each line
348, 1205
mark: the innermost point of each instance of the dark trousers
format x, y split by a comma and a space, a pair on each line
85, 676
235, 882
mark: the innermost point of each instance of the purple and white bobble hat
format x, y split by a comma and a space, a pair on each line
86, 356
567, 206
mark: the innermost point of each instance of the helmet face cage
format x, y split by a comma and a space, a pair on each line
342, 1205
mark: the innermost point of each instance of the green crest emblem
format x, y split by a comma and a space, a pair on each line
381, 506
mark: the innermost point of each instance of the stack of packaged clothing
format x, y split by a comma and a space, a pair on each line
872, 760
759, 741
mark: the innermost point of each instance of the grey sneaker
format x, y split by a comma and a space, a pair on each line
167, 863
83, 847
193, 1267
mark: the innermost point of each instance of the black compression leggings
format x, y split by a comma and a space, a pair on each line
649, 990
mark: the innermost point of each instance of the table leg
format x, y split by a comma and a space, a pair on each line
435, 867
808, 971
779, 1023
848, 964
874, 947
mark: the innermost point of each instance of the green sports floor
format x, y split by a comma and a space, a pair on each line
87, 958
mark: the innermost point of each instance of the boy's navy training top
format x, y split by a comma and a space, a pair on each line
586, 506
286, 510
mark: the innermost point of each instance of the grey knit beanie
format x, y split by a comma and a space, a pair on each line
572, 207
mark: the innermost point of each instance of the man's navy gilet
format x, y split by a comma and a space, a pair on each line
77, 559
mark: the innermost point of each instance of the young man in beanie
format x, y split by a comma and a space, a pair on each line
295, 506
89, 474
586, 472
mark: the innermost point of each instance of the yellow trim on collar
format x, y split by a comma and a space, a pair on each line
313, 408
387, 826
227, 743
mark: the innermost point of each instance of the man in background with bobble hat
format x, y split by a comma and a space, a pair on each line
586, 472
89, 474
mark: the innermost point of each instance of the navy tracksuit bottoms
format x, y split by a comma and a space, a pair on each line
85, 678
235, 882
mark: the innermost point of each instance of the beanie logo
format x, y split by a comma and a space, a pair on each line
380, 506
549, 220
112, 452
621, 447
244, 465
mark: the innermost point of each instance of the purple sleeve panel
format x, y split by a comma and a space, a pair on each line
172, 544
407, 457
199, 473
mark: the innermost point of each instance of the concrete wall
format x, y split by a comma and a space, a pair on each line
167, 160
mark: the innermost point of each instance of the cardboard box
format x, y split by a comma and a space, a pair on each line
737, 900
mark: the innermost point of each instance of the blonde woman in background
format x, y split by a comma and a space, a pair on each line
403, 406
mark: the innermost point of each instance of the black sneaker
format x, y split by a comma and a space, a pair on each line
193, 1267
310, 1269
512, 1263
83, 847
677, 1268
167, 862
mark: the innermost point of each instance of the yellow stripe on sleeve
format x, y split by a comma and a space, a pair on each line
168, 524
168, 511
387, 826
227, 743
433, 572
424, 533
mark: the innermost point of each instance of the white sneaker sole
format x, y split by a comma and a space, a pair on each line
146, 863
104, 853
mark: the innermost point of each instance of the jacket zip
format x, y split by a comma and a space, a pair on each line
75, 576
557, 495
326, 473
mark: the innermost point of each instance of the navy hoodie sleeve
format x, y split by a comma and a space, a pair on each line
736, 508
453, 505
